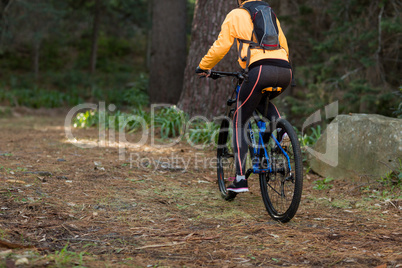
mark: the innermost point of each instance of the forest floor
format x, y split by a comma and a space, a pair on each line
62, 206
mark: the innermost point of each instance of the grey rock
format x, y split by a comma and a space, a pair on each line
358, 145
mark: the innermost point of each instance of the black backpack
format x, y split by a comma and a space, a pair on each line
265, 32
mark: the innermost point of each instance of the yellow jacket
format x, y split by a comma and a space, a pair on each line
238, 24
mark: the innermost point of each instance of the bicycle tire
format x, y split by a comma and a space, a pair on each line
281, 190
226, 170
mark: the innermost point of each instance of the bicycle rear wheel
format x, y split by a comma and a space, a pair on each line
282, 189
226, 169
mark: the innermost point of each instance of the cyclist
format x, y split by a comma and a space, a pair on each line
267, 68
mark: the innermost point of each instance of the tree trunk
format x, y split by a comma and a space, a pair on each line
95, 35
149, 35
168, 50
4, 5
207, 97
35, 54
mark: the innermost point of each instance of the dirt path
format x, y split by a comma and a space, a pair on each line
86, 207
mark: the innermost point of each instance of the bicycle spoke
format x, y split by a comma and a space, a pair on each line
274, 189
281, 191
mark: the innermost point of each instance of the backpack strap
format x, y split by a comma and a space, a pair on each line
250, 7
251, 45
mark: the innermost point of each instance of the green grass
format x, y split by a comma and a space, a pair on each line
2, 234
65, 258
311, 137
341, 203
323, 184
393, 178
388, 187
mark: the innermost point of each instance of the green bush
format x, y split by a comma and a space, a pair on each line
311, 138
202, 132
168, 123
34, 98
137, 95
86, 119
323, 184
64, 81
72, 88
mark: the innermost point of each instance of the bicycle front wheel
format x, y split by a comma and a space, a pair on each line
226, 170
281, 189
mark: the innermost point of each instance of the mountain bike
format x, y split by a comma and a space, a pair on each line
276, 158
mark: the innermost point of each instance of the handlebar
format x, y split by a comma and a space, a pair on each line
239, 75
217, 74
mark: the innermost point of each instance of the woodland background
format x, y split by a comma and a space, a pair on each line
57, 53
62, 206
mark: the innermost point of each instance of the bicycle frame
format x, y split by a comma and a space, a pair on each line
262, 128
256, 165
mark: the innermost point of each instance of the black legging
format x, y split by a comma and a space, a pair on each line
250, 98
